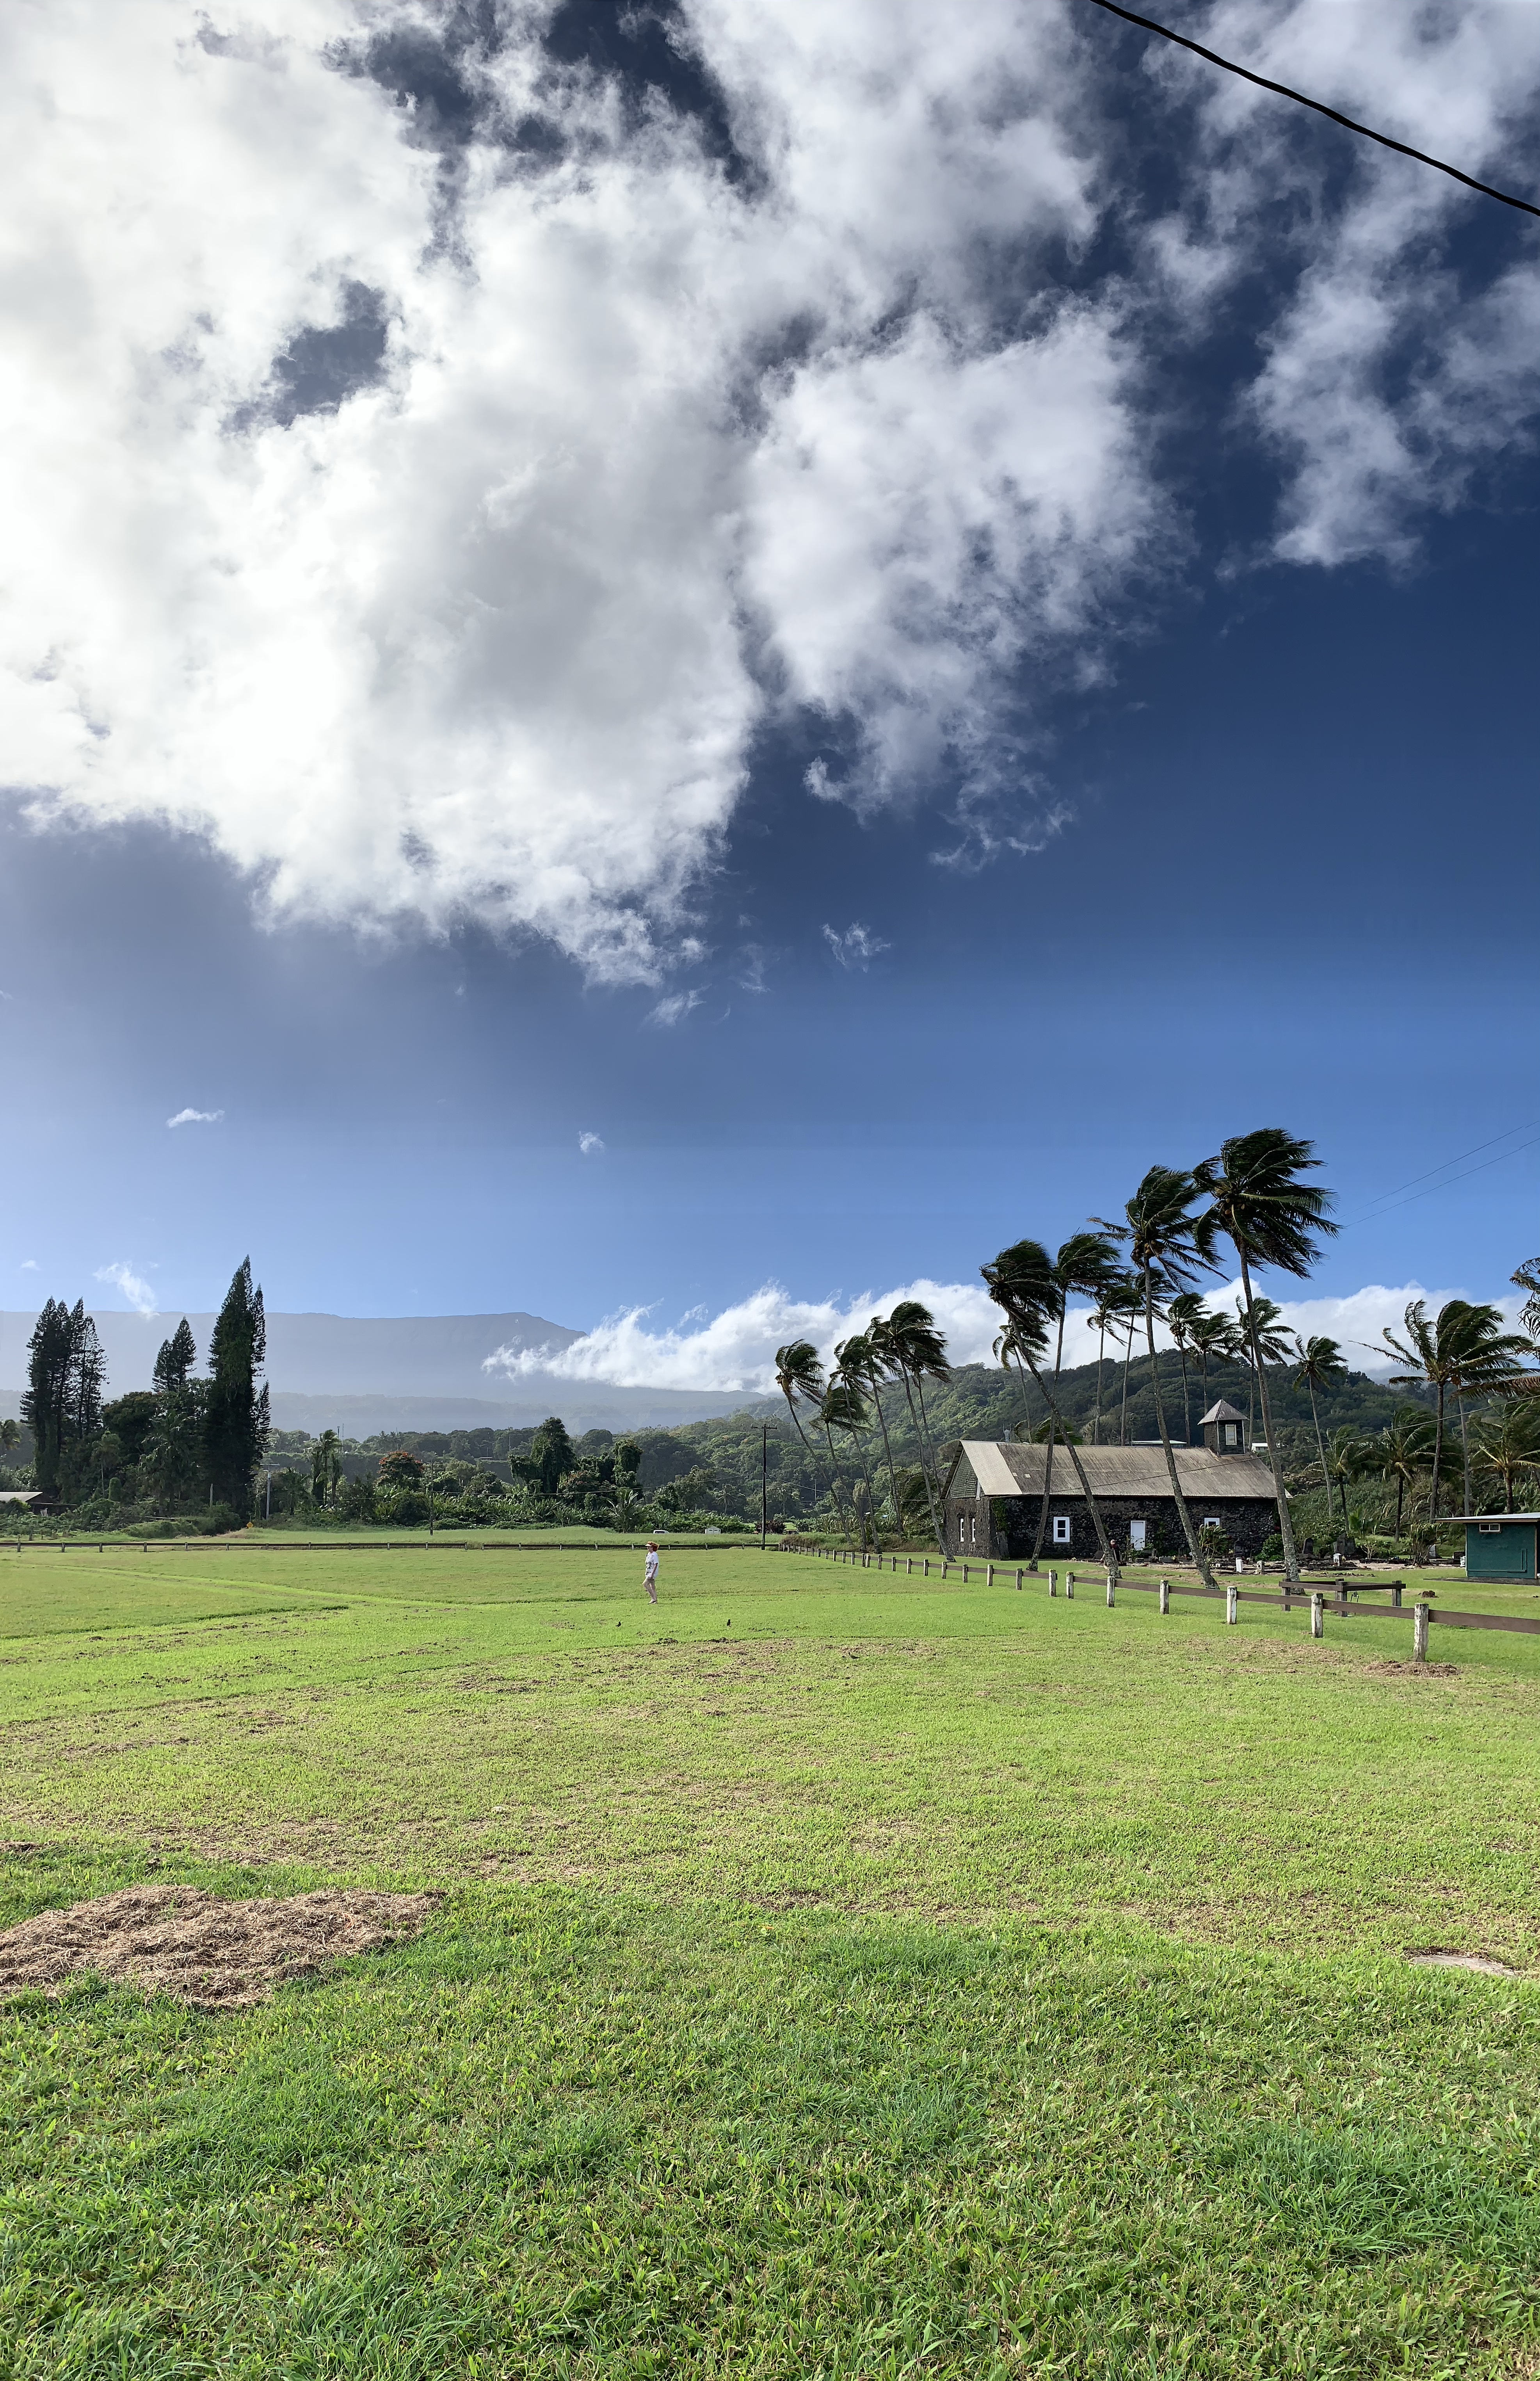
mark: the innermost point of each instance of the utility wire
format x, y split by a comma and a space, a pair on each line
1396, 1188
1148, 25
1377, 1214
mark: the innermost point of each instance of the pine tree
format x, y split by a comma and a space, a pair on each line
235, 1413
179, 1354
66, 1374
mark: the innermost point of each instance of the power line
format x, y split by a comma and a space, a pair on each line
1396, 1188
1263, 83
1376, 1214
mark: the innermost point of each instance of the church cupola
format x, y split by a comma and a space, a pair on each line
1224, 1429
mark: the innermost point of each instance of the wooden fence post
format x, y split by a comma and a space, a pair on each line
1396, 1593
1232, 1607
1419, 1633
1053, 1581
1164, 1595
1111, 1589
1317, 1614
964, 1574
1070, 1586
989, 1574
1018, 1581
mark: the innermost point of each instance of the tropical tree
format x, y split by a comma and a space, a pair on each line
1320, 1367
844, 1408
1021, 1282
1181, 1313
1401, 1451
1348, 1455
1508, 1450
9, 1433
1214, 1339
883, 1367
1274, 1344
1111, 1304
1463, 1349
1527, 1279
325, 1468
1166, 1245
800, 1378
1271, 1216
1087, 1264
920, 1352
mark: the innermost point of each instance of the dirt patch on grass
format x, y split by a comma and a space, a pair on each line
1415, 1669
211, 1953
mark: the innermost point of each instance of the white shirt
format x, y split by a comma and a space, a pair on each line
652, 1562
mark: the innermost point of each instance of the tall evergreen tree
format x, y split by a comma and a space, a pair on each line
178, 1356
235, 1410
66, 1374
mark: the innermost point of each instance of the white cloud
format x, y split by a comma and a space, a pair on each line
735, 1350
30, 1265
855, 948
590, 1145
672, 1007
134, 1287
653, 453
195, 1115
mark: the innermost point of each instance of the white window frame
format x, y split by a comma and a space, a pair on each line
1489, 1529
1210, 1522
1139, 1533
1061, 1529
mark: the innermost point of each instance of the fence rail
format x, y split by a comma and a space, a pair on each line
1303, 1598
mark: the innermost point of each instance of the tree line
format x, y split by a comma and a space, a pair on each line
189, 1442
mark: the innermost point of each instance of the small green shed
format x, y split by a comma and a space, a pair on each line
1500, 1545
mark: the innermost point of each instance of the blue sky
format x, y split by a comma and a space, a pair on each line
1254, 700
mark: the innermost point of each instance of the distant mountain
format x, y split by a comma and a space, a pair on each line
360, 1375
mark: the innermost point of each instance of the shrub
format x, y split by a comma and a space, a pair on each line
1272, 1548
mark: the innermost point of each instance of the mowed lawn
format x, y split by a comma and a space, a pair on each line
838, 1974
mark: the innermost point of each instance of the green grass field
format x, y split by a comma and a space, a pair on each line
837, 1974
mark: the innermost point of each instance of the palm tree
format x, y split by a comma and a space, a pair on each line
324, 1466
844, 1408
1483, 1364
920, 1354
1116, 1309
1181, 1313
1402, 1448
1021, 1282
1168, 1244
882, 1366
850, 1385
9, 1433
1507, 1448
799, 1377
1463, 1348
1213, 1338
1086, 1263
1346, 1455
1274, 1343
1320, 1367
1272, 1217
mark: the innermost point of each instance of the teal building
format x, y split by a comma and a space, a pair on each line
1500, 1545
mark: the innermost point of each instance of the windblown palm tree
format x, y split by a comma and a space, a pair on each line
1508, 1450
845, 1403
1401, 1451
1464, 1349
883, 1366
1272, 1217
1320, 1367
800, 1378
1086, 1264
1181, 1313
1167, 1244
1347, 1457
920, 1354
1214, 1338
1275, 1343
1116, 1309
1021, 1282
844, 1408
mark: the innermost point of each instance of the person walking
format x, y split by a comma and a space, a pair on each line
652, 1571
